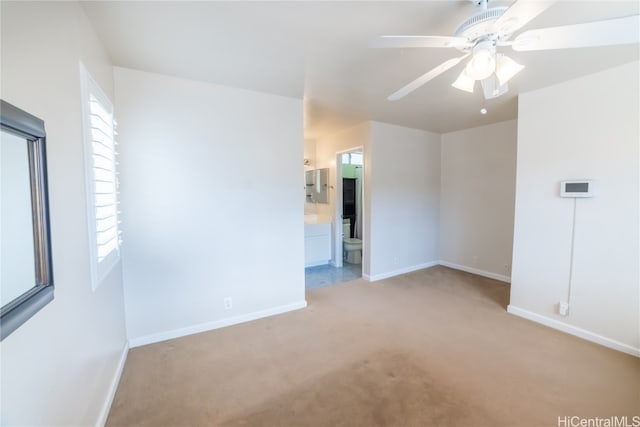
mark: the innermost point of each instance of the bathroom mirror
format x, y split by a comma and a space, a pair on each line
317, 185
26, 279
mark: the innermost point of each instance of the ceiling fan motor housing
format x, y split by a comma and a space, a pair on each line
480, 25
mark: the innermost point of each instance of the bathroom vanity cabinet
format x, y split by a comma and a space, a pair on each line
317, 243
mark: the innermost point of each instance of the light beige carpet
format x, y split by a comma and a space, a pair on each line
430, 348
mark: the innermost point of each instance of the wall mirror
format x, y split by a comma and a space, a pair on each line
317, 185
26, 276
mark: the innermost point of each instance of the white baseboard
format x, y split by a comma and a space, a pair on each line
316, 263
479, 272
216, 324
376, 277
106, 407
573, 330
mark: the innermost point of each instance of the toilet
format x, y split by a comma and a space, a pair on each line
351, 247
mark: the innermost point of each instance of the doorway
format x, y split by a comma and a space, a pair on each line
349, 209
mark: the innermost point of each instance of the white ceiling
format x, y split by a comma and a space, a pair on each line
317, 50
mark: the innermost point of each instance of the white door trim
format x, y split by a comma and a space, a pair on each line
337, 229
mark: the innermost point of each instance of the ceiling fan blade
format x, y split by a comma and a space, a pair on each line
419, 41
425, 78
520, 14
600, 33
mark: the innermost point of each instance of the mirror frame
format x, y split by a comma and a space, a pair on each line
317, 185
16, 312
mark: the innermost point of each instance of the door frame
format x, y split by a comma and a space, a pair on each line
337, 229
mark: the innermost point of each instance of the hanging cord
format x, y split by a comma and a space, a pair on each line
573, 239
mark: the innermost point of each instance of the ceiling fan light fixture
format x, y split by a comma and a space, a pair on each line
506, 68
483, 62
464, 82
492, 88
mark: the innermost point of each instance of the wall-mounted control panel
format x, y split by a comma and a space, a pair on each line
576, 188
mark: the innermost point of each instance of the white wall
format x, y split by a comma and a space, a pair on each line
477, 198
212, 204
57, 368
584, 128
402, 168
326, 149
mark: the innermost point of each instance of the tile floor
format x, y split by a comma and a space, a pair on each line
325, 275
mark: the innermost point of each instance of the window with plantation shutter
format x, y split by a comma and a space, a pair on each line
102, 179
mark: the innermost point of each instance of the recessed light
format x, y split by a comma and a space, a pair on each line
483, 111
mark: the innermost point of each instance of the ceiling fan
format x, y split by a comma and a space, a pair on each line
480, 35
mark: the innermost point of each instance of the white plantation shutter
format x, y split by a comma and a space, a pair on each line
102, 180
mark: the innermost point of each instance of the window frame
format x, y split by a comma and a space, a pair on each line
100, 269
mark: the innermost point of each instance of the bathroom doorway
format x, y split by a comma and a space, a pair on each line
346, 213
349, 209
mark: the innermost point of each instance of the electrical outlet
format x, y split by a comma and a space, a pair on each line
395, 260
563, 308
228, 303
507, 268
